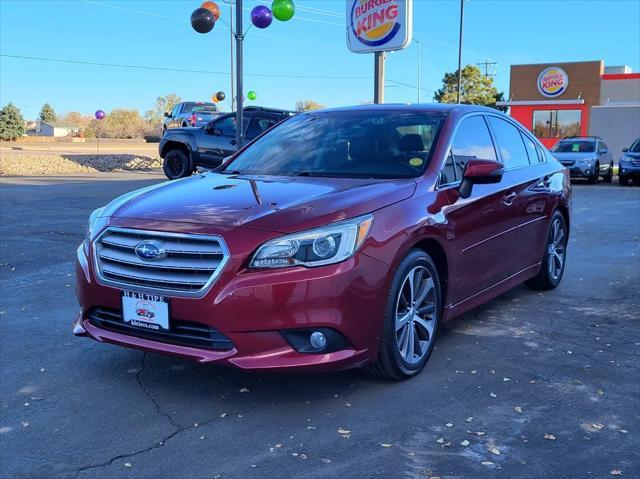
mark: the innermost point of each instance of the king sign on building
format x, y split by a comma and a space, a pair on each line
378, 25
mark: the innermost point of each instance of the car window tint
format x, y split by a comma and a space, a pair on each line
603, 148
509, 142
472, 141
258, 125
176, 109
227, 126
531, 149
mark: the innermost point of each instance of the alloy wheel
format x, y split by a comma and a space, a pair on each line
415, 315
556, 249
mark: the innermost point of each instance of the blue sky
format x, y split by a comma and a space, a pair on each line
157, 33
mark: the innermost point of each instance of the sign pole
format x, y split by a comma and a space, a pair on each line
378, 81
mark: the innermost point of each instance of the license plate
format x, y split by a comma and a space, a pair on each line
148, 311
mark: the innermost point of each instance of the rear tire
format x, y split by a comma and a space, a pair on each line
176, 164
555, 256
623, 180
411, 319
609, 177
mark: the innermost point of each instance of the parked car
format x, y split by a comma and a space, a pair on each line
629, 166
585, 157
339, 238
180, 114
185, 149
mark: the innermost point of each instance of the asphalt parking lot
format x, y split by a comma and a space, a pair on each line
531, 385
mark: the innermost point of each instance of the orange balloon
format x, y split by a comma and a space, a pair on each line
213, 8
214, 99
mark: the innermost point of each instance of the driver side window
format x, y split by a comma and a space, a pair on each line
174, 112
472, 141
226, 126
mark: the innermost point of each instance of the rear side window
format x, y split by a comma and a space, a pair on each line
258, 125
512, 149
472, 141
530, 146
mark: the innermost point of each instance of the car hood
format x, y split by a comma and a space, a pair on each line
631, 155
269, 203
570, 156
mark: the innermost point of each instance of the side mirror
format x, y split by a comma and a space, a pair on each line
479, 172
624, 150
167, 114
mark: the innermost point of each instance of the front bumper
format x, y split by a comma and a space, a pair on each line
581, 171
629, 170
251, 308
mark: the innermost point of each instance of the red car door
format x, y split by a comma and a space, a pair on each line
480, 227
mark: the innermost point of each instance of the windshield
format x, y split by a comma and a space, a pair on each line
349, 144
205, 109
195, 106
635, 148
577, 146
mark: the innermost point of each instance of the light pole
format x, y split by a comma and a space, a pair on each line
203, 20
460, 51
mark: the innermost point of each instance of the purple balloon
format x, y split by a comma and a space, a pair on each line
100, 115
261, 16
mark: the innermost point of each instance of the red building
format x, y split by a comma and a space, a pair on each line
556, 100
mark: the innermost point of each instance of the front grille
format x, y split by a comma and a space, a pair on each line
568, 162
182, 333
190, 264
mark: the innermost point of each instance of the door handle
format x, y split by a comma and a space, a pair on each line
509, 199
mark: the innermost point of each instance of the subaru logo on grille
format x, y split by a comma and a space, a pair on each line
150, 250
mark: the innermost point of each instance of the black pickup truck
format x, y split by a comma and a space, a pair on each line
184, 149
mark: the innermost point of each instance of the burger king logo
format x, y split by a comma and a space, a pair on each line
553, 82
376, 22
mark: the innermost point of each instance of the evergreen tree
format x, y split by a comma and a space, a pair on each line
47, 115
11, 123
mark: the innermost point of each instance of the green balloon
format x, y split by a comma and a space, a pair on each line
283, 10
252, 95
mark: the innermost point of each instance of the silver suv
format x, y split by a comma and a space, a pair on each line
585, 157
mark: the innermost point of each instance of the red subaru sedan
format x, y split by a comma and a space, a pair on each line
339, 238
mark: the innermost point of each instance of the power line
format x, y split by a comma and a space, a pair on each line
180, 70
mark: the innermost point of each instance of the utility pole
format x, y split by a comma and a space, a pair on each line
486, 64
233, 96
239, 40
419, 59
460, 52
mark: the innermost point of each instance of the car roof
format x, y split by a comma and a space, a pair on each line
440, 107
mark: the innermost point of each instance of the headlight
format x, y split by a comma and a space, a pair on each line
92, 227
317, 247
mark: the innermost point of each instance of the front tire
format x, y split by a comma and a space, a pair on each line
593, 179
555, 256
176, 164
411, 318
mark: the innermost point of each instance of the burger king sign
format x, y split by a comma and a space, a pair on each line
378, 25
553, 82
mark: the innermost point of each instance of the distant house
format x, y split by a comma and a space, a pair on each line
56, 129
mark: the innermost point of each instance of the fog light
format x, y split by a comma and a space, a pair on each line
318, 340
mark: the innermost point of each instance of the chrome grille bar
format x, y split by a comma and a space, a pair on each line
190, 265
